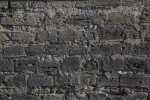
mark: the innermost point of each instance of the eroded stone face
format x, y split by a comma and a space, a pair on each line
74, 49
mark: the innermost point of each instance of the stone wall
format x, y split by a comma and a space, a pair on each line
74, 50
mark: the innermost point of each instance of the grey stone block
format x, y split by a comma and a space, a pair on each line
113, 65
33, 50
6, 65
78, 50
40, 80
71, 64
18, 81
57, 49
13, 51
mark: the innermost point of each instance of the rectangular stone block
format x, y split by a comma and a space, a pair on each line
134, 80
91, 66
111, 33
13, 51
6, 65
26, 65
18, 81
57, 49
86, 3
47, 36
40, 80
22, 37
4, 4
62, 81
113, 81
109, 3
9, 21
71, 64
83, 80
142, 49
79, 20
49, 67
67, 35
106, 49
133, 35
113, 65
133, 2
118, 18
97, 96
33, 50
138, 65
54, 97
78, 50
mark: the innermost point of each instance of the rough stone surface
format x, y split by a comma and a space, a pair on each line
74, 49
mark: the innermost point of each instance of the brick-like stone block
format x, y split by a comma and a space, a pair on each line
57, 49
97, 96
26, 65
54, 97
33, 50
18, 81
113, 65
13, 51
109, 3
118, 18
91, 66
137, 65
47, 36
71, 64
22, 37
9, 21
113, 81
40, 80
78, 50
6, 65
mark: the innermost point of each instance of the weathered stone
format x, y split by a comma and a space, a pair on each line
111, 33
2, 78
134, 80
62, 81
22, 37
6, 65
109, 3
18, 81
97, 96
79, 20
117, 18
54, 97
47, 36
141, 49
86, 4
9, 21
48, 67
67, 35
71, 64
13, 51
83, 80
91, 66
137, 95
33, 50
3, 4
111, 82
133, 35
78, 50
113, 65
57, 49
137, 65
28, 64
40, 80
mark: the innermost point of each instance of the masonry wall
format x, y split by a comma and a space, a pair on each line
74, 50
